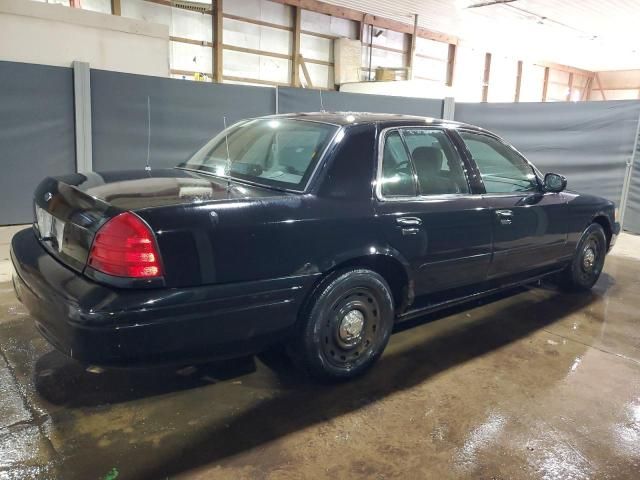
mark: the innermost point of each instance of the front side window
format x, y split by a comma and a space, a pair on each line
272, 152
437, 165
502, 169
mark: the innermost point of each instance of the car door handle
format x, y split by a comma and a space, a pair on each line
505, 216
409, 225
409, 221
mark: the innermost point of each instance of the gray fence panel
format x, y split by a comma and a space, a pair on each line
36, 133
291, 100
589, 142
632, 213
184, 115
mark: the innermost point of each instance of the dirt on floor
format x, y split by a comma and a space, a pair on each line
533, 384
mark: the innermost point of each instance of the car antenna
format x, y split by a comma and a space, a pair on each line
148, 165
321, 104
226, 142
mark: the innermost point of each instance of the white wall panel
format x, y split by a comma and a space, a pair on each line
194, 25
469, 74
502, 79
431, 69
185, 56
260, 10
532, 83
424, 46
321, 75
260, 67
102, 6
247, 35
317, 48
325, 24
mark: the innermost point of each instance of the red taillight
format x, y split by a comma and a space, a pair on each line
125, 247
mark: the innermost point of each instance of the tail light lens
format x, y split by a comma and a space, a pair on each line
125, 247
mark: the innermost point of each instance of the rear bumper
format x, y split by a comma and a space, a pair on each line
107, 326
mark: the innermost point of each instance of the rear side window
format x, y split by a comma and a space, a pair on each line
502, 169
397, 173
437, 165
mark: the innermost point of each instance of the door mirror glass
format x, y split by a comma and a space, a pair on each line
554, 182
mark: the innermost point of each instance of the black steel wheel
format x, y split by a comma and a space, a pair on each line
346, 325
588, 261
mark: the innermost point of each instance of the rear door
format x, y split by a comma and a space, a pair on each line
428, 210
529, 225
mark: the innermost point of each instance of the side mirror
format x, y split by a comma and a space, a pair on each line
554, 183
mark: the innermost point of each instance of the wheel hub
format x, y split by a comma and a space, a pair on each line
351, 326
588, 259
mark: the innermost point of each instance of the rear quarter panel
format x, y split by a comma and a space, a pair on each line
278, 236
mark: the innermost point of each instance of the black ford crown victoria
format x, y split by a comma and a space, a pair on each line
319, 230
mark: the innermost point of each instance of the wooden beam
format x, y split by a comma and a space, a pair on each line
564, 68
257, 22
187, 72
451, 64
255, 51
586, 92
191, 41
518, 82
254, 80
218, 27
116, 8
295, 65
604, 97
305, 72
412, 48
486, 77
356, 15
545, 84
570, 87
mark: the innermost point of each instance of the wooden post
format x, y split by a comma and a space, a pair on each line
295, 62
116, 8
487, 75
518, 81
218, 26
586, 92
570, 87
451, 64
545, 85
412, 49
305, 72
604, 97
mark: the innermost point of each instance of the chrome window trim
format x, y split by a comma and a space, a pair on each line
420, 198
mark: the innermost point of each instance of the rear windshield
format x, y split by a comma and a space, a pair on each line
272, 152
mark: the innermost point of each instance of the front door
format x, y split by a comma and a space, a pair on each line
529, 225
428, 212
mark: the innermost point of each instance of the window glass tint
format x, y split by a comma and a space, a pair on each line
397, 174
437, 165
502, 170
278, 152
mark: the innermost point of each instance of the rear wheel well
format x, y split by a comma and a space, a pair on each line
604, 223
388, 267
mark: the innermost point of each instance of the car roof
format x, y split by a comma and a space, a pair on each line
384, 119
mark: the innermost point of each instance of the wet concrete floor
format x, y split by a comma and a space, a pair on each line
537, 384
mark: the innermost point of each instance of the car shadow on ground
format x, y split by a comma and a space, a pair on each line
302, 402
299, 408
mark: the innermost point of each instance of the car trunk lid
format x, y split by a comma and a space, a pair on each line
69, 210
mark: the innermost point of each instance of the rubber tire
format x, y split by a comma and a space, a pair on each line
306, 348
571, 278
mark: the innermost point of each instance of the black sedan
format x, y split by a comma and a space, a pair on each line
319, 231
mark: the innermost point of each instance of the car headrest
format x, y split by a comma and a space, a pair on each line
427, 159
